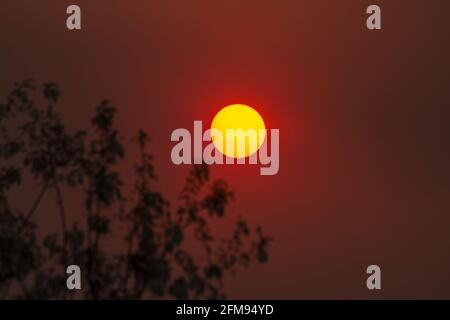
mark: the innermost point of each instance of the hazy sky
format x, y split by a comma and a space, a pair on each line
363, 117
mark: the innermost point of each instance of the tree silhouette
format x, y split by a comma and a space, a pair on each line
151, 256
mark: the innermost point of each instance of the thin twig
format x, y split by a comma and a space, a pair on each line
62, 213
32, 210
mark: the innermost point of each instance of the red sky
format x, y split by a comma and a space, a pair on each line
363, 118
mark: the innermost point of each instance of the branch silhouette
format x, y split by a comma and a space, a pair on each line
131, 244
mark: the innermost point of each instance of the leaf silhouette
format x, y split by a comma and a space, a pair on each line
149, 257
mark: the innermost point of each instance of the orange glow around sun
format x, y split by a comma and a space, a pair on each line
243, 120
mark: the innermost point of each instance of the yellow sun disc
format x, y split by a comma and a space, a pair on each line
241, 129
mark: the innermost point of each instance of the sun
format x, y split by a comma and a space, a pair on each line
242, 131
